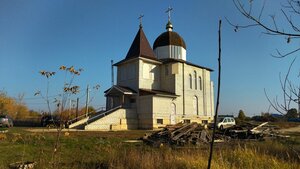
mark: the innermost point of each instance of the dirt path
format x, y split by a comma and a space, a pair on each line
292, 129
41, 130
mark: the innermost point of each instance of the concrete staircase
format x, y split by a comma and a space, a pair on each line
80, 121
117, 118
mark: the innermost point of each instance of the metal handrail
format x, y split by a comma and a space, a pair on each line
82, 116
104, 113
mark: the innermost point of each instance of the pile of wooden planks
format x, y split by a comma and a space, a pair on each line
251, 131
179, 134
193, 133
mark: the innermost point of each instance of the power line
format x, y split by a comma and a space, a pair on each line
35, 98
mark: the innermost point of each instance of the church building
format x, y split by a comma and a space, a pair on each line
157, 86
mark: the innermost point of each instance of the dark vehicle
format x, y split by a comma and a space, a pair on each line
51, 121
6, 121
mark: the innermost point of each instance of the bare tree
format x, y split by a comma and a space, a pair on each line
68, 89
290, 11
290, 93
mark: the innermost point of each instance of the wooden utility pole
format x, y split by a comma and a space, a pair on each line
77, 103
70, 108
87, 101
112, 73
218, 98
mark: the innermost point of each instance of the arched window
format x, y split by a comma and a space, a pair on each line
200, 83
195, 105
195, 75
191, 81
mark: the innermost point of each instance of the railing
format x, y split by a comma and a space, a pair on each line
84, 116
103, 114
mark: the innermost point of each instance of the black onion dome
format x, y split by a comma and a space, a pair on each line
169, 38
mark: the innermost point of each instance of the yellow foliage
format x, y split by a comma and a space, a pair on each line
11, 107
2, 136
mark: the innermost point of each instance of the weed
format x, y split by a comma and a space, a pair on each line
107, 150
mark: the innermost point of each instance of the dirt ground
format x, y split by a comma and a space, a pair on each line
46, 130
295, 129
292, 129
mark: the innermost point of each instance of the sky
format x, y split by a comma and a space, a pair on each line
40, 35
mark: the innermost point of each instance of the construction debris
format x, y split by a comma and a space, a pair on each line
193, 133
22, 165
179, 134
250, 131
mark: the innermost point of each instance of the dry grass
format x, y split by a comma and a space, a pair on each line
107, 150
284, 125
240, 156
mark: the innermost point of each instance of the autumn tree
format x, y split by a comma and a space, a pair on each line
13, 108
292, 113
241, 115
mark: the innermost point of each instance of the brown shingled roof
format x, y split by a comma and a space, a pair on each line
169, 38
140, 47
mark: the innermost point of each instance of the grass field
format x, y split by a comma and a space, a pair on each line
80, 150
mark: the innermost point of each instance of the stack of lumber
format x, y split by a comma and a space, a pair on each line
251, 131
179, 134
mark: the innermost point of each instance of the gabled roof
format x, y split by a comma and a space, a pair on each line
140, 47
122, 89
155, 61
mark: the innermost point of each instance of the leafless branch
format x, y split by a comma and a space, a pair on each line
289, 20
273, 103
280, 55
261, 11
292, 5
274, 22
236, 27
257, 21
291, 93
290, 30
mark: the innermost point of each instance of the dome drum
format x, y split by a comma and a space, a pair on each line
170, 45
170, 51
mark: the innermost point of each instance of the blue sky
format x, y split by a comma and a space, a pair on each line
45, 34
